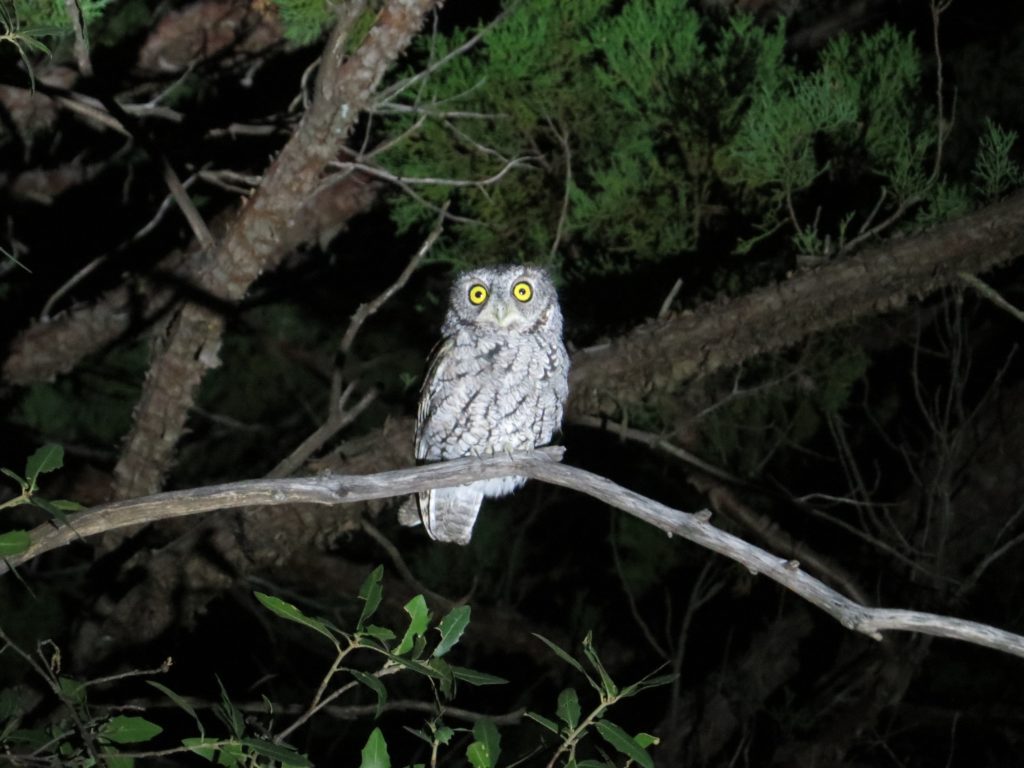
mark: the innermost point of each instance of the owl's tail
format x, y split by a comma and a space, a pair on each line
449, 513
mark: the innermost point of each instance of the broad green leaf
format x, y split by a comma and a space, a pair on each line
14, 542
473, 677
375, 753
125, 729
370, 593
486, 734
551, 725
478, 756
419, 619
374, 685
180, 701
609, 686
46, 459
52, 509
282, 753
288, 611
451, 627
624, 743
563, 655
443, 735
569, 707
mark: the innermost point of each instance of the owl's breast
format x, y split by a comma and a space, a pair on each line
493, 393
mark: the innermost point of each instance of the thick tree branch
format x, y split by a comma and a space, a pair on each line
343, 89
540, 465
658, 357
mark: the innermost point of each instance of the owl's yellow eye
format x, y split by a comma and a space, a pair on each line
477, 294
522, 291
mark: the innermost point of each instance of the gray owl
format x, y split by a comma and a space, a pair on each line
497, 383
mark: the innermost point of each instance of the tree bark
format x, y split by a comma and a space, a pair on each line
191, 344
659, 357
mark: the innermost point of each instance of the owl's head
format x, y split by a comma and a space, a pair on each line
512, 297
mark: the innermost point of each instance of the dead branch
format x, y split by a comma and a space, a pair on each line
540, 465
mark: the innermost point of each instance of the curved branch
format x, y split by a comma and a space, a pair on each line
540, 465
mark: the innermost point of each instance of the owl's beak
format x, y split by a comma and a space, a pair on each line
505, 315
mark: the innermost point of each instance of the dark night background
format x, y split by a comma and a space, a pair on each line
864, 420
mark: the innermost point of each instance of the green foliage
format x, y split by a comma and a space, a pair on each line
304, 20
995, 171
574, 726
617, 128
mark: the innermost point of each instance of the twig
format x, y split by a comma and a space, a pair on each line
991, 294
397, 560
666, 305
366, 311
563, 216
337, 420
429, 181
541, 464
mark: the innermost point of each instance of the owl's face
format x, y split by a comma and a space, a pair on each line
513, 298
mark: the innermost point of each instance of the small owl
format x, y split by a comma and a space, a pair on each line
497, 383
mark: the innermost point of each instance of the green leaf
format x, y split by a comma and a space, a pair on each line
416, 666
419, 619
551, 725
646, 740
451, 627
473, 677
66, 505
443, 735
647, 682
124, 729
380, 633
73, 690
374, 685
624, 743
370, 593
52, 509
444, 672
15, 477
569, 707
288, 611
14, 542
227, 754
282, 753
180, 701
487, 744
375, 753
563, 655
46, 459
609, 686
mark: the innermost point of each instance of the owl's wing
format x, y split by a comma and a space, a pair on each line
438, 359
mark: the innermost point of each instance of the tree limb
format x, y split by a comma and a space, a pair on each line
540, 465
661, 355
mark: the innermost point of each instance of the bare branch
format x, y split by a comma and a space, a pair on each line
539, 465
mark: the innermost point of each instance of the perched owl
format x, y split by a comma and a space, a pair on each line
497, 383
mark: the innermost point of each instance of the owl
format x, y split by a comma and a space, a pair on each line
497, 383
